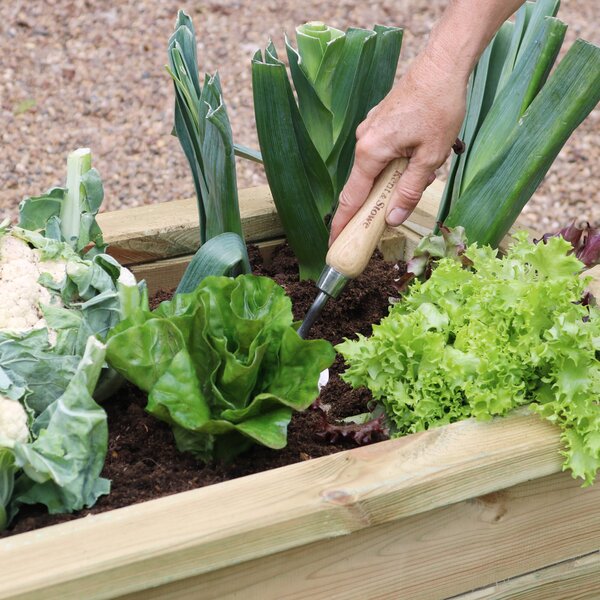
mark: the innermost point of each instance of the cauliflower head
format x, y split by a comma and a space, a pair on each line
22, 295
13, 421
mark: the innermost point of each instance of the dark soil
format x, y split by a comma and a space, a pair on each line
143, 462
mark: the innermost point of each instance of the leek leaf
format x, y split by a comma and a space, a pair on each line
496, 196
285, 159
204, 131
524, 83
308, 143
224, 254
247, 153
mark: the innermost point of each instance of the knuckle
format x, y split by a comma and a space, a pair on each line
433, 157
344, 201
410, 194
365, 146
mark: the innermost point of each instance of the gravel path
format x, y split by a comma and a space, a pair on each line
91, 73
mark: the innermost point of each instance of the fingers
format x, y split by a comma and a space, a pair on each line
366, 168
417, 176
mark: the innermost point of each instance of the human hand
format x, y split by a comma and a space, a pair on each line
419, 119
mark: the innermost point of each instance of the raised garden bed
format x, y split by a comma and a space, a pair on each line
474, 510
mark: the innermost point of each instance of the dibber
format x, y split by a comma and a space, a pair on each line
352, 249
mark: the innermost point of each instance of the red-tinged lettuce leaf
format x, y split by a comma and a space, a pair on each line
585, 241
373, 430
449, 243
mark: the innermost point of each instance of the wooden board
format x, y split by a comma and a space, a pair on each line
221, 526
157, 231
166, 274
428, 556
575, 579
169, 229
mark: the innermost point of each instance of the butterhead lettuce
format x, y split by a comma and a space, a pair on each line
223, 365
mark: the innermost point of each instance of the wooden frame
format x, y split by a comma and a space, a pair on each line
468, 511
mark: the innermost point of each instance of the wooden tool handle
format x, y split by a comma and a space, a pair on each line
353, 248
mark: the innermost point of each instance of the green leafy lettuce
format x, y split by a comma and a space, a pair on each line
223, 365
60, 464
479, 342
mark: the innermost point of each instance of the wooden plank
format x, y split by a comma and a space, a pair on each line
168, 229
166, 274
158, 241
429, 556
192, 533
575, 579
594, 284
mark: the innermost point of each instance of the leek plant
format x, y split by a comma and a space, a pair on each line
204, 132
517, 120
307, 132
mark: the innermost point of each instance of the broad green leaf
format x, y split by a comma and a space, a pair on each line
301, 197
142, 353
62, 465
496, 196
225, 254
525, 82
236, 371
7, 483
69, 214
34, 212
176, 397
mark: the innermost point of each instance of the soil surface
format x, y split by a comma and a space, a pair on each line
142, 460
91, 73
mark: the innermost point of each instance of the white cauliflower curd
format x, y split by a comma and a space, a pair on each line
21, 296
13, 420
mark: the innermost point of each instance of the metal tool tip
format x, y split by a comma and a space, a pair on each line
313, 314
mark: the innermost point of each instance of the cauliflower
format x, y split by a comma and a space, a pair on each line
13, 420
22, 295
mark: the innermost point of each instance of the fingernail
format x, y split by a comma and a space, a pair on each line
397, 216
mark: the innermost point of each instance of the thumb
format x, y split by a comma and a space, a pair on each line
408, 191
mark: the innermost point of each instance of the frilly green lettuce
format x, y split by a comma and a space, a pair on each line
480, 342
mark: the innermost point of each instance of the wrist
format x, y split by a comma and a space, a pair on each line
452, 47
458, 39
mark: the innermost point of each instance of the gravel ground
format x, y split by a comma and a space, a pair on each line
91, 73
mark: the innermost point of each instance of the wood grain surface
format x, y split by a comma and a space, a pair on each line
221, 526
